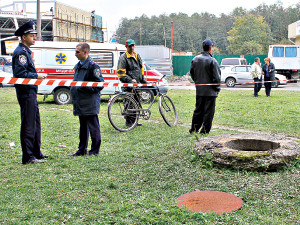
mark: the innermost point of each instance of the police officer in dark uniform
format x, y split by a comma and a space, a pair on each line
86, 101
23, 67
205, 70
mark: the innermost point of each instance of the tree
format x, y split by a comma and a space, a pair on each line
250, 35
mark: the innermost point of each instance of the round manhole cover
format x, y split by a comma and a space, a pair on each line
209, 202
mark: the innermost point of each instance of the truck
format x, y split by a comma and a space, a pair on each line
286, 59
57, 60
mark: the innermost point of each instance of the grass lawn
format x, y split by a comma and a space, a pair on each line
138, 175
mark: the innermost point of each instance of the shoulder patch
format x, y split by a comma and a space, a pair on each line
97, 72
22, 59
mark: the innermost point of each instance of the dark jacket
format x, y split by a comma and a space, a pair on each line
23, 67
205, 70
130, 68
272, 68
86, 100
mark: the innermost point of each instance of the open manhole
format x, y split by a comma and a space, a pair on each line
248, 151
251, 145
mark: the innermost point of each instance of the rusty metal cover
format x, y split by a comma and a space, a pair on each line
209, 202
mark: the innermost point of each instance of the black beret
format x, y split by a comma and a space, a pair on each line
26, 28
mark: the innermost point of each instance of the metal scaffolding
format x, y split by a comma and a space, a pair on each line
60, 23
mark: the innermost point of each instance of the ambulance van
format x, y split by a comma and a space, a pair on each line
57, 60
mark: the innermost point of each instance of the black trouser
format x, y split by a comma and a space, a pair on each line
131, 118
203, 114
257, 86
89, 125
30, 127
268, 85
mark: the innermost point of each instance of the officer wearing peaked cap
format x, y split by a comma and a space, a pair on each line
23, 67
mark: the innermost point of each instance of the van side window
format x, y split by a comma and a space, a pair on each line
103, 59
290, 52
278, 52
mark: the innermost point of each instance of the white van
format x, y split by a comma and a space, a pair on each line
57, 60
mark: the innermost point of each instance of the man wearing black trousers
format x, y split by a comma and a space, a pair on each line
86, 101
205, 70
23, 67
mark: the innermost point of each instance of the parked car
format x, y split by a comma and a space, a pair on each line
242, 74
5, 60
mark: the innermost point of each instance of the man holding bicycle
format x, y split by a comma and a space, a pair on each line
130, 65
130, 69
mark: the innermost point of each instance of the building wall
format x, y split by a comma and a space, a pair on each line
294, 32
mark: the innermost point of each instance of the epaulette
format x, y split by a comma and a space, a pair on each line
92, 62
24, 49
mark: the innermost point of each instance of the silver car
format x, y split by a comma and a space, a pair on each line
234, 75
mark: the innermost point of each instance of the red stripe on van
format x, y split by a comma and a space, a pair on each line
50, 82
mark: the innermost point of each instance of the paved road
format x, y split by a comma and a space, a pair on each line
288, 87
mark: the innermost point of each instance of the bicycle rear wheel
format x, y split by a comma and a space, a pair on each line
167, 110
123, 112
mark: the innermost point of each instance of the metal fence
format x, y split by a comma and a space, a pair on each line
182, 64
163, 66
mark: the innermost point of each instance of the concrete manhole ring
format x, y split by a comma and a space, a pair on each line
248, 151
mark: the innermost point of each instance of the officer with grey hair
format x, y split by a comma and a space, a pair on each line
86, 101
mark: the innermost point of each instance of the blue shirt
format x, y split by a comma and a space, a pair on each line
267, 71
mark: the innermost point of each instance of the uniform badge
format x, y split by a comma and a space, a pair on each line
23, 59
97, 72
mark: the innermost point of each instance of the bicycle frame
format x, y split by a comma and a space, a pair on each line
134, 93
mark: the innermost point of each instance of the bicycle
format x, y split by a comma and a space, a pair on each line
125, 109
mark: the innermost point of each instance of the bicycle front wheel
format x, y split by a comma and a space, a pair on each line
167, 110
123, 112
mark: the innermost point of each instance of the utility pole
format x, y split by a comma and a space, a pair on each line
165, 35
140, 34
172, 36
38, 20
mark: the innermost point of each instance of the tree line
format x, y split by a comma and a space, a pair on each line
240, 32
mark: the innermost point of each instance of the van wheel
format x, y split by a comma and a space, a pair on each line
146, 96
62, 96
230, 82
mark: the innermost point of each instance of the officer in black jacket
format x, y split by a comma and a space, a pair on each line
205, 70
86, 101
23, 67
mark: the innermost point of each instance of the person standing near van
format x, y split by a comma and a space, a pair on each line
256, 73
23, 67
130, 65
130, 70
269, 75
205, 70
86, 101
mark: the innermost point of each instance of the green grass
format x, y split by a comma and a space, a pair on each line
138, 175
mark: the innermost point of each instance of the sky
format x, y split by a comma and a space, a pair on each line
112, 11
